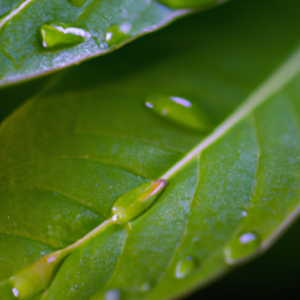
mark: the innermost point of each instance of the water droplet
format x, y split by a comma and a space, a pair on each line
58, 34
77, 3
132, 204
241, 246
184, 267
178, 110
112, 295
116, 34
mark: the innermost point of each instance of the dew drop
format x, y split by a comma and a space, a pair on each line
112, 295
184, 267
116, 34
241, 247
58, 34
178, 110
77, 3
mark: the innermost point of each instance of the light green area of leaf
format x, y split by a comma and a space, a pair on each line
24, 54
70, 154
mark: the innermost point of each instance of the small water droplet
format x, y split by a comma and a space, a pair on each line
77, 3
116, 34
178, 110
184, 267
58, 34
241, 246
113, 295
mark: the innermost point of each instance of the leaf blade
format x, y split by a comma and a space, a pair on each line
51, 107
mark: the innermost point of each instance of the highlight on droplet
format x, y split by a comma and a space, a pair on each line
179, 110
58, 34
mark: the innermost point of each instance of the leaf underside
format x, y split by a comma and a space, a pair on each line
68, 155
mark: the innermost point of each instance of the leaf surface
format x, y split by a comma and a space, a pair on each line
108, 24
68, 155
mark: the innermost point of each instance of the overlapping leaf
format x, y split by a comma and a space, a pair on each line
24, 55
67, 156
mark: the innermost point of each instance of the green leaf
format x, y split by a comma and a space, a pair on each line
28, 50
69, 155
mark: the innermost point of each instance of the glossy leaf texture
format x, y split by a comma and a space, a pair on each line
68, 154
28, 50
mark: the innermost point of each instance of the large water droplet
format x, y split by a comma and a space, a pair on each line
184, 267
112, 295
58, 34
77, 3
178, 110
241, 247
116, 34
132, 204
